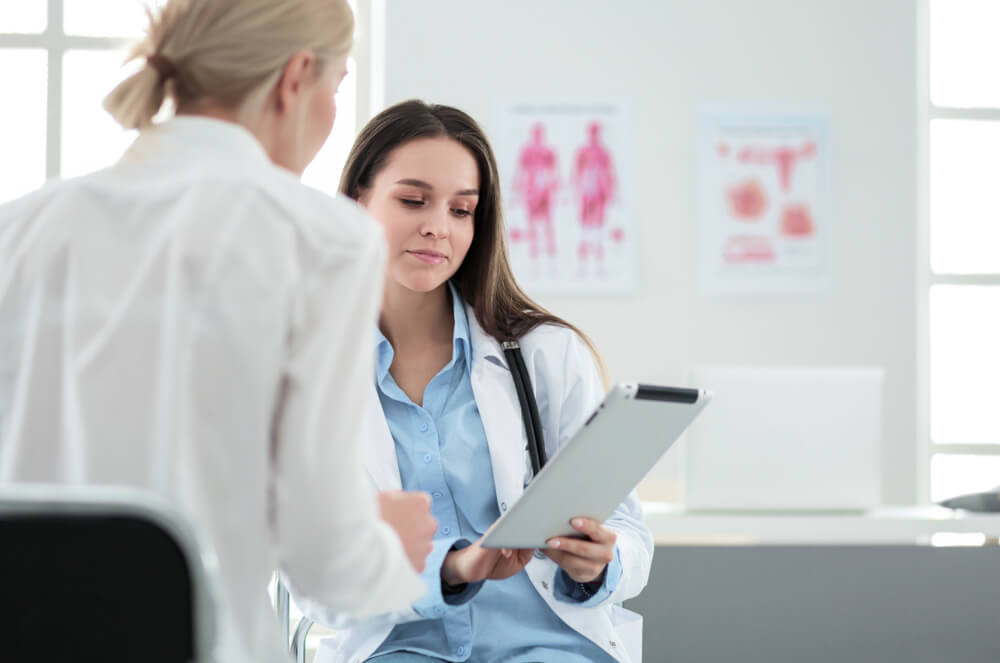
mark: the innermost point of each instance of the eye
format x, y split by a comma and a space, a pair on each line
411, 202
457, 211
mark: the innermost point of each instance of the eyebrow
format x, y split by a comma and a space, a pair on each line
420, 184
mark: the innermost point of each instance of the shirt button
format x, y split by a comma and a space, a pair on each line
438, 611
427, 458
446, 530
539, 554
423, 428
460, 651
437, 493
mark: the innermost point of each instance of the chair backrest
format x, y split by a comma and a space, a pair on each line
101, 574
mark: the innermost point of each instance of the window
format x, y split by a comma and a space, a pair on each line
60, 58
960, 248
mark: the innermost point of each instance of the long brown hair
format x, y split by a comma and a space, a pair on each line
484, 279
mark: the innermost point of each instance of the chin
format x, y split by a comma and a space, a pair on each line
422, 283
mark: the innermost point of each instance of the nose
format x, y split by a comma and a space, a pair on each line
435, 224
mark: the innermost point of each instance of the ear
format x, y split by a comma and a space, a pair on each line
295, 75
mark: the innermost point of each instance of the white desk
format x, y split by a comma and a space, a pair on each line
672, 525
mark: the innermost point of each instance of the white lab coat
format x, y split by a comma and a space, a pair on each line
567, 388
195, 322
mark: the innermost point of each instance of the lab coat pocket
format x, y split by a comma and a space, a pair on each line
628, 625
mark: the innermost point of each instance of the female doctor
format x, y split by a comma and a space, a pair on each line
166, 323
445, 416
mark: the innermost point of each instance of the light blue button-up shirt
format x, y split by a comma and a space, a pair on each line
442, 449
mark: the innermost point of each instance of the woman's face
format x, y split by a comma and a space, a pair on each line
425, 198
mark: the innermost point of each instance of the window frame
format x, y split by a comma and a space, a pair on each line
367, 54
926, 277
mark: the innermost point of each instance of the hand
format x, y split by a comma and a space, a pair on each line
583, 560
475, 563
409, 513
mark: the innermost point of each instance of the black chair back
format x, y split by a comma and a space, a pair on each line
98, 578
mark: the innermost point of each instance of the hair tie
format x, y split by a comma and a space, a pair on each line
163, 66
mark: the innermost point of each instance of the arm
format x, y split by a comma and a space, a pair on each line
332, 546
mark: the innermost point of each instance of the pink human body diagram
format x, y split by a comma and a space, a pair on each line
537, 182
595, 186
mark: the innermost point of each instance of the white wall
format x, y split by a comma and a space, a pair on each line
666, 58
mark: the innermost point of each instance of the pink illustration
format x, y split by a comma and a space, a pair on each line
797, 221
595, 186
783, 157
747, 200
536, 182
748, 249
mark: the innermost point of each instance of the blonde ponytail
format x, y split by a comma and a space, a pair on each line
136, 100
230, 52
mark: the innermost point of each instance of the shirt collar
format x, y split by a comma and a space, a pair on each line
462, 346
205, 135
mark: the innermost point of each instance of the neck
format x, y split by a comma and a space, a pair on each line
418, 319
263, 129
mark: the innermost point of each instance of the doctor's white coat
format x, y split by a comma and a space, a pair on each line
567, 388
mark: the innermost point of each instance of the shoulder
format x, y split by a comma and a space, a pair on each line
557, 350
550, 337
333, 225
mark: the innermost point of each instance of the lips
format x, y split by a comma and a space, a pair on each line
428, 256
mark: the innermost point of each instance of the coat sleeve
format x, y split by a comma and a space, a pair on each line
332, 546
582, 390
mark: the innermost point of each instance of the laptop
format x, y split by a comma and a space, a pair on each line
786, 439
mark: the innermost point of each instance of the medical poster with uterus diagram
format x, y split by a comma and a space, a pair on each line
763, 199
565, 174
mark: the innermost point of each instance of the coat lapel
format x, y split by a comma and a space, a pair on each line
500, 411
380, 449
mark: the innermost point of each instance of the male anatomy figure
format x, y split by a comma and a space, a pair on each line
594, 183
537, 182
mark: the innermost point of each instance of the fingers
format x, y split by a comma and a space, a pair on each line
594, 529
601, 553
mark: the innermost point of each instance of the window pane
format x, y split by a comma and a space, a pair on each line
324, 172
22, 130
23, 17
965, 364
956, 474
107, 18
964, 207
91, 138
964, 53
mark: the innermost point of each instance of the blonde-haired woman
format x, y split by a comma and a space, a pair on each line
189, 321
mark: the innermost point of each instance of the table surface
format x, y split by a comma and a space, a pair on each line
672, 524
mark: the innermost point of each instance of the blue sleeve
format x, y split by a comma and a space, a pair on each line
568, 590
434, 603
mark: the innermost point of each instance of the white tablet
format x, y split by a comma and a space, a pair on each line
593, 473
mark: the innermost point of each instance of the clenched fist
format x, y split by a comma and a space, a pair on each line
409, 513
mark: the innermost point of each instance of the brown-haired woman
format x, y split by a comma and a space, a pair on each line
447, 421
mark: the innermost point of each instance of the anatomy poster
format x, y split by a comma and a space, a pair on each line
565, 173
764, 202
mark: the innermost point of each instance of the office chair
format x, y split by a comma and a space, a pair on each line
101, 574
